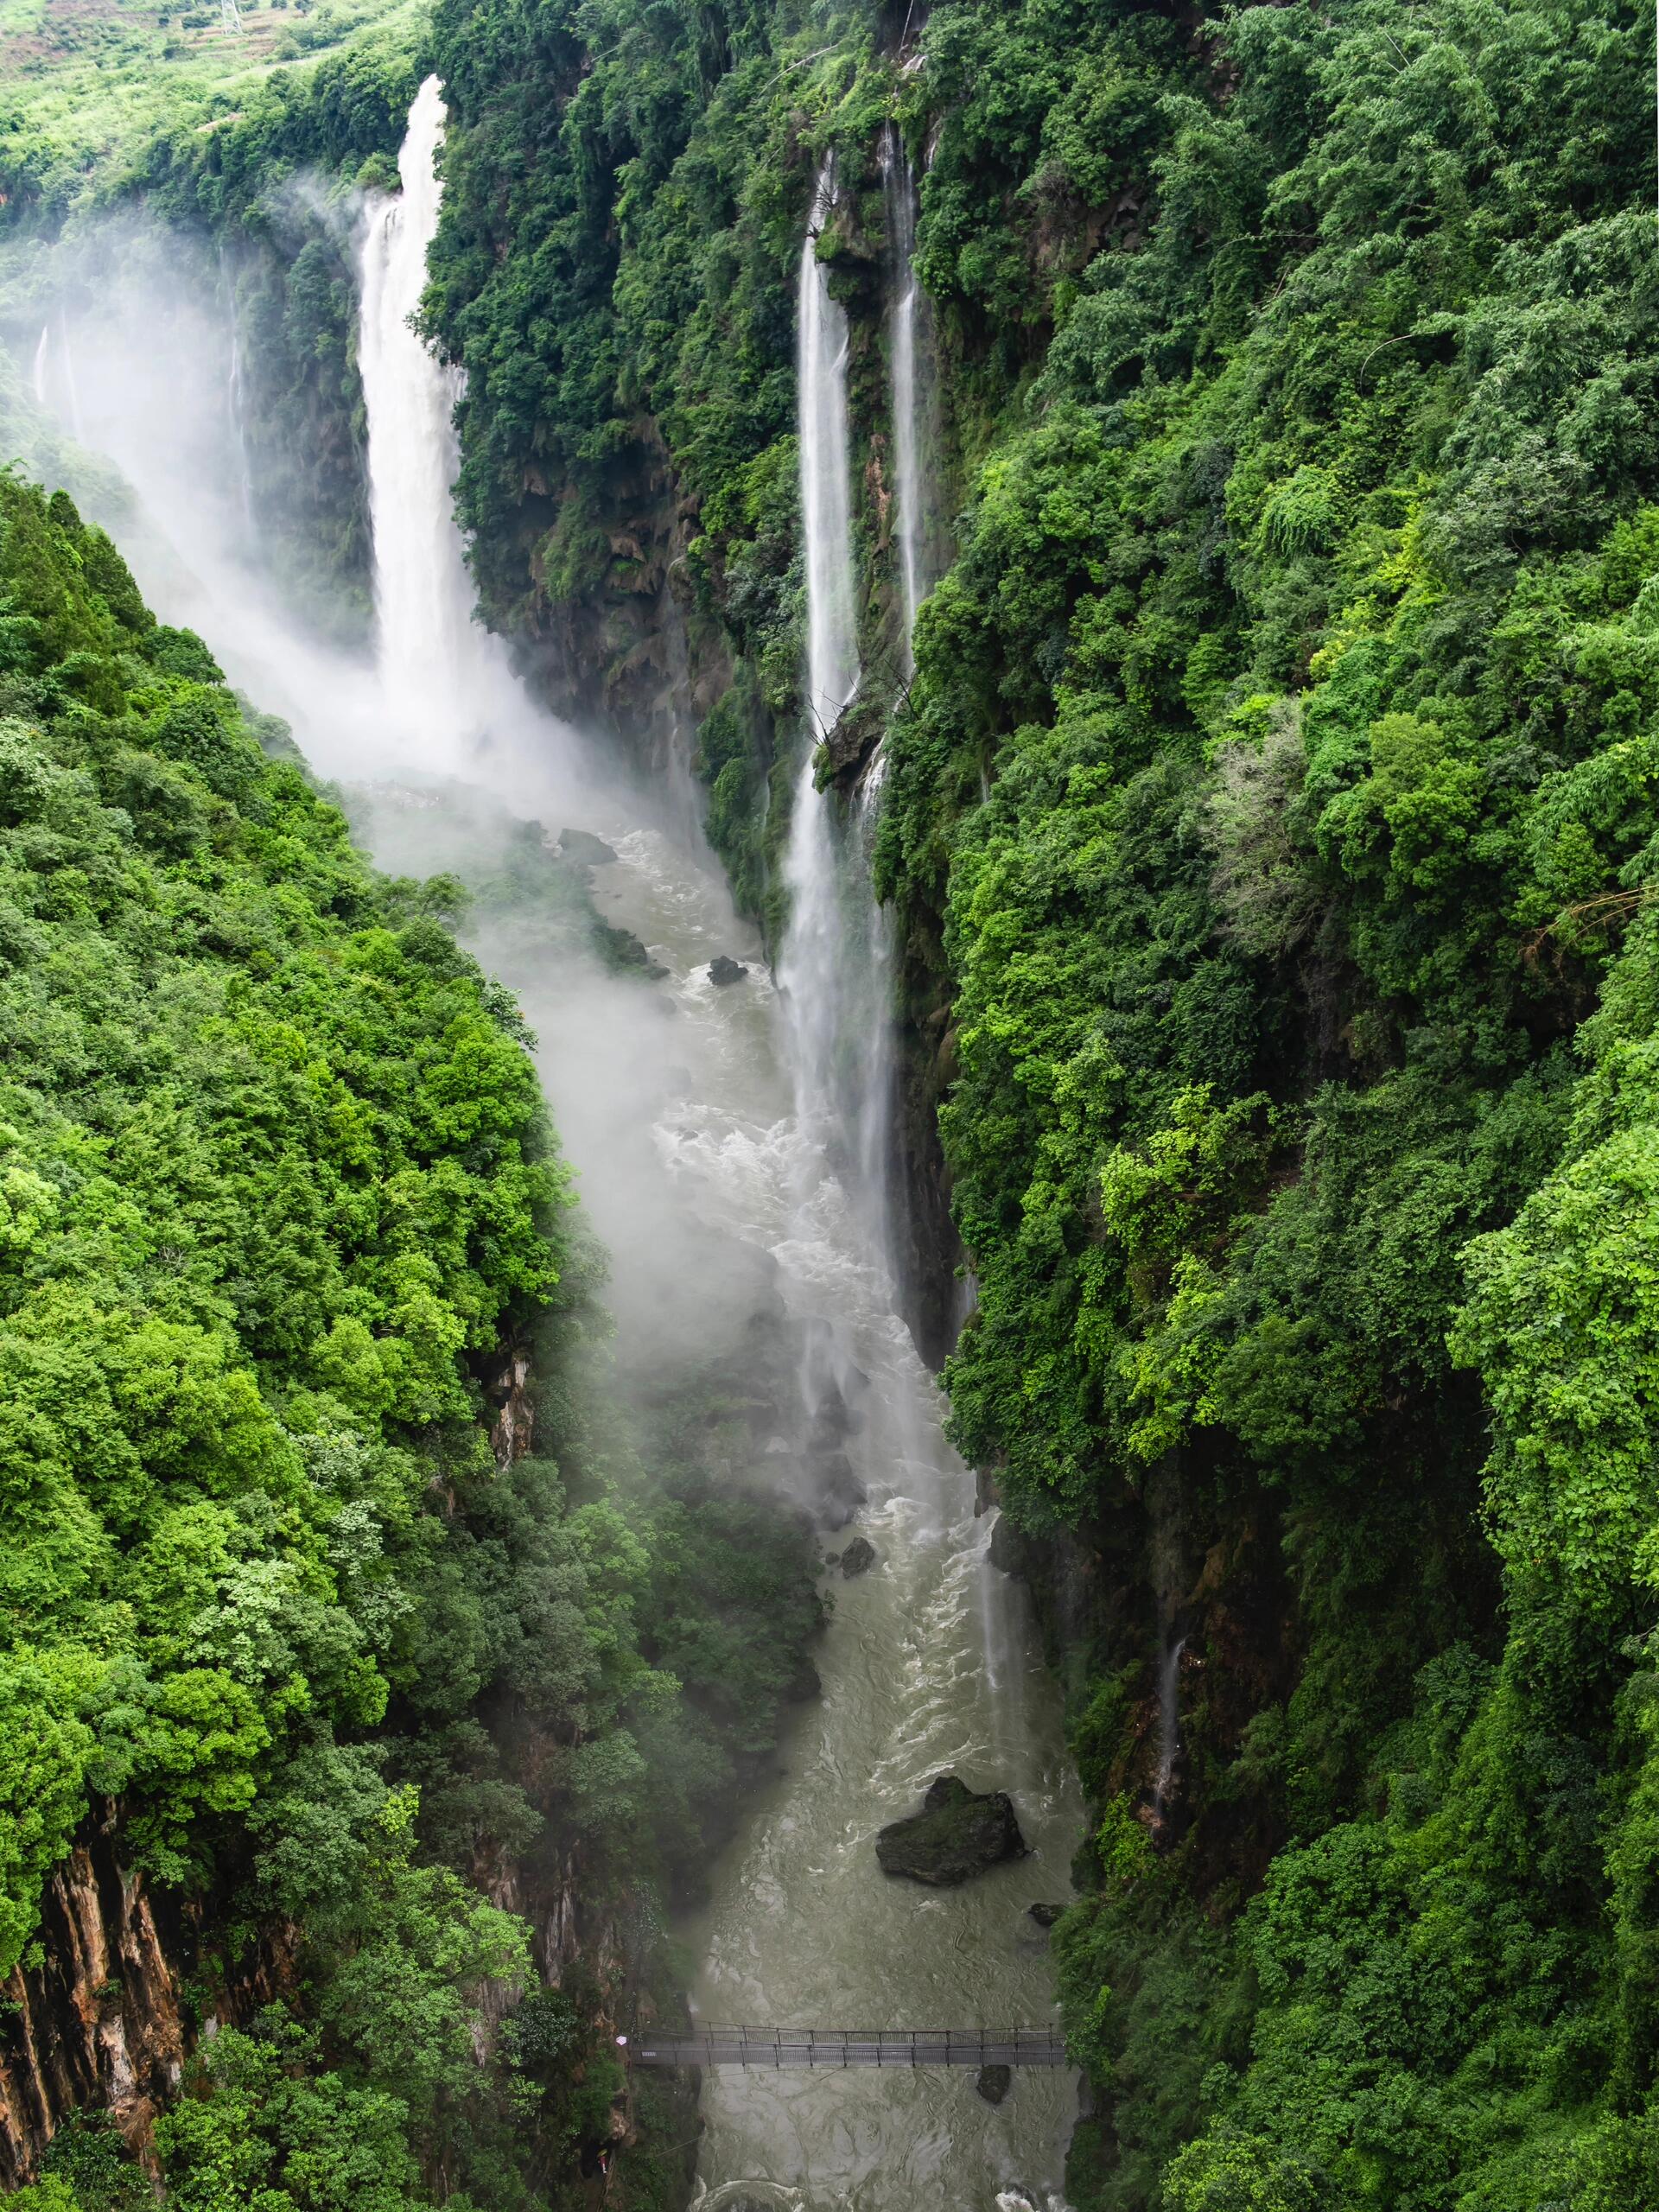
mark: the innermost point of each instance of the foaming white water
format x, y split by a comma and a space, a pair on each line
444, 676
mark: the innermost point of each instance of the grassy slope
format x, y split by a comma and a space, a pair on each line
90, 84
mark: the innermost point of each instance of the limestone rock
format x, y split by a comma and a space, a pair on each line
585, 850
956, 1836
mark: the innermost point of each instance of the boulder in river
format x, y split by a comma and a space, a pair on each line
956, 1836
994, 2082
1045, 1915
584, 848
723, 970
858, 1557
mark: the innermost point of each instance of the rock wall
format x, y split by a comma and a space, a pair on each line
101, 2021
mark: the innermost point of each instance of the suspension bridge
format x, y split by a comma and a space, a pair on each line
842, 2047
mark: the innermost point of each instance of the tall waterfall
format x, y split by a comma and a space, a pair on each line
440, 672
826, 489
821, 973
929, 1665
899, 191
41, 349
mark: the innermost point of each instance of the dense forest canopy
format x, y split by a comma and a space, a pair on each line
278, 1197
1270, 830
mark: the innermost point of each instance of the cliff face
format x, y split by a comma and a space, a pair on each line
101, 2021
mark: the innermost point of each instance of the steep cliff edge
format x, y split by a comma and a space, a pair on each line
101, 2023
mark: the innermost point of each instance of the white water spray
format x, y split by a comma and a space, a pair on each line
826, 486
236, 415
834, 1032
442, 674
71, 388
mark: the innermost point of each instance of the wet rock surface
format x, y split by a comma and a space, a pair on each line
858, 1557
956, 1835
723, 970
1046, 1915
585, 850
993, 2083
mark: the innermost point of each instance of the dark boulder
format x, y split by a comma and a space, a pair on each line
994, 2082
858, 1557
956, 1836
723, 970
584, 848
1046, 1915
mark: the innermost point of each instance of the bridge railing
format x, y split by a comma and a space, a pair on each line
840, 2047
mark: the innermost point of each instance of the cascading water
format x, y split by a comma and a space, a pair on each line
836, 1021
42, 351
1169, 1728
72, 389
236, 416
442, 673
899, 193
930, 1665
748, 1123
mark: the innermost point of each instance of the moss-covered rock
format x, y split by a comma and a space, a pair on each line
956, 1835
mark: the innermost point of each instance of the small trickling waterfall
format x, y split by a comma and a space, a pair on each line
1169, 1729
899, 187
42, 351
441, 671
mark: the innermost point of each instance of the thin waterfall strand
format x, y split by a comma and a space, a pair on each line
900, 188
41, 350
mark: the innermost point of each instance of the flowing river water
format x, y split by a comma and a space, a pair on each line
744, 1122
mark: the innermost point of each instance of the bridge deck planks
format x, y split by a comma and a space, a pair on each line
842, 2047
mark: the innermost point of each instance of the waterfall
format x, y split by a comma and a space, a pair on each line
40, 352
442, 673
69, 383
826, 489
236, 409
899, 191
1169, 1728
816, 966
